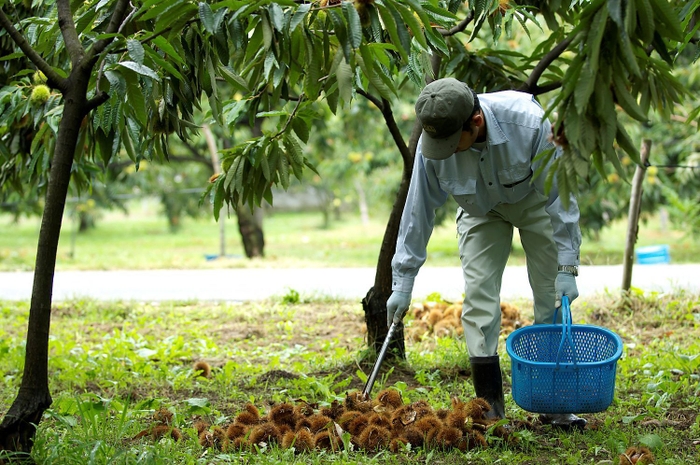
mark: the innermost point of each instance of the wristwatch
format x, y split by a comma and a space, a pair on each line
573, 269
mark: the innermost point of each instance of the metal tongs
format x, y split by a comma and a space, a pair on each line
380, 358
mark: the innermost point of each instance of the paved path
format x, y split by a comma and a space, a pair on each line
351, 283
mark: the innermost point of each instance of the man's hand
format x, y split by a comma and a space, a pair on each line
565, 285
396, 306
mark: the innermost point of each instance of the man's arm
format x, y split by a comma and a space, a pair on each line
417, 221
565, 222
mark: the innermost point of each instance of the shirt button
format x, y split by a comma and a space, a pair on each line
482, 159
490, 184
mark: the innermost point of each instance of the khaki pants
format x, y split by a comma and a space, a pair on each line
484, 247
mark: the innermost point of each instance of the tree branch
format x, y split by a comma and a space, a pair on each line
99, 98
531, 82
378, 103
54, 79
539, 90
115, 25
458, 28
69, 33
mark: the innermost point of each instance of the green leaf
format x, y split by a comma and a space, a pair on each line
301, 129
266, 32
265, 166
314, 55
595, 37
626, 100
233, 78
128, 145
605, 109
276, 16
412, 23
354, 24
299, 16
163, 44
136, 51
206, 15
627, 54
366, 62
625, 142
390, 24
344, 76
219, 196
653, 441
615, 10
140, 69
135, 99
341, 32
283, 170
163, 63
117, 84
158, 10
645, 14
663, 13
584, 89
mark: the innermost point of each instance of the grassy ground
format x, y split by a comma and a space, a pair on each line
115, 366
142, 241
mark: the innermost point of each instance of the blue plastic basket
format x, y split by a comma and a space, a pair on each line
563, 368
653, 254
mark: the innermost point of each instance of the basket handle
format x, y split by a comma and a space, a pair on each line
565, 330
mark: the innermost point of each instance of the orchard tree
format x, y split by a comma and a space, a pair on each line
124, 75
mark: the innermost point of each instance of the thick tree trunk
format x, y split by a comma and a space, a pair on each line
18, 428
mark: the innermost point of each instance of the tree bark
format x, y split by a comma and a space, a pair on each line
18, 428
250, 227
250, 222
633, 220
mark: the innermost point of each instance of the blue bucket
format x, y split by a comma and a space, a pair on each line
653, 254
563, 368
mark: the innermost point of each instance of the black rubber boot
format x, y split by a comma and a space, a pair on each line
488, 383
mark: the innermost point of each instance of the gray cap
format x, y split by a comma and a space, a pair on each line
443, 107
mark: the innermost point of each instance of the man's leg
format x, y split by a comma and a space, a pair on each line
535, 228
484, 246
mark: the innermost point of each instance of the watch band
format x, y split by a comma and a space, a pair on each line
573, 269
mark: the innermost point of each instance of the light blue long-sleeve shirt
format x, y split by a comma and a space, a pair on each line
501, 172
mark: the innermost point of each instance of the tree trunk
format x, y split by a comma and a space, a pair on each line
18, 428
374, 303
250, 227
250, 222
633, 215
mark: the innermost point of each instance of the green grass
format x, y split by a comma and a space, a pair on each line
114, 364
142, 241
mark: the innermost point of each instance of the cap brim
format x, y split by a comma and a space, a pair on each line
439, 149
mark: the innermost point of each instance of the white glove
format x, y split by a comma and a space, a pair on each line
396, 306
